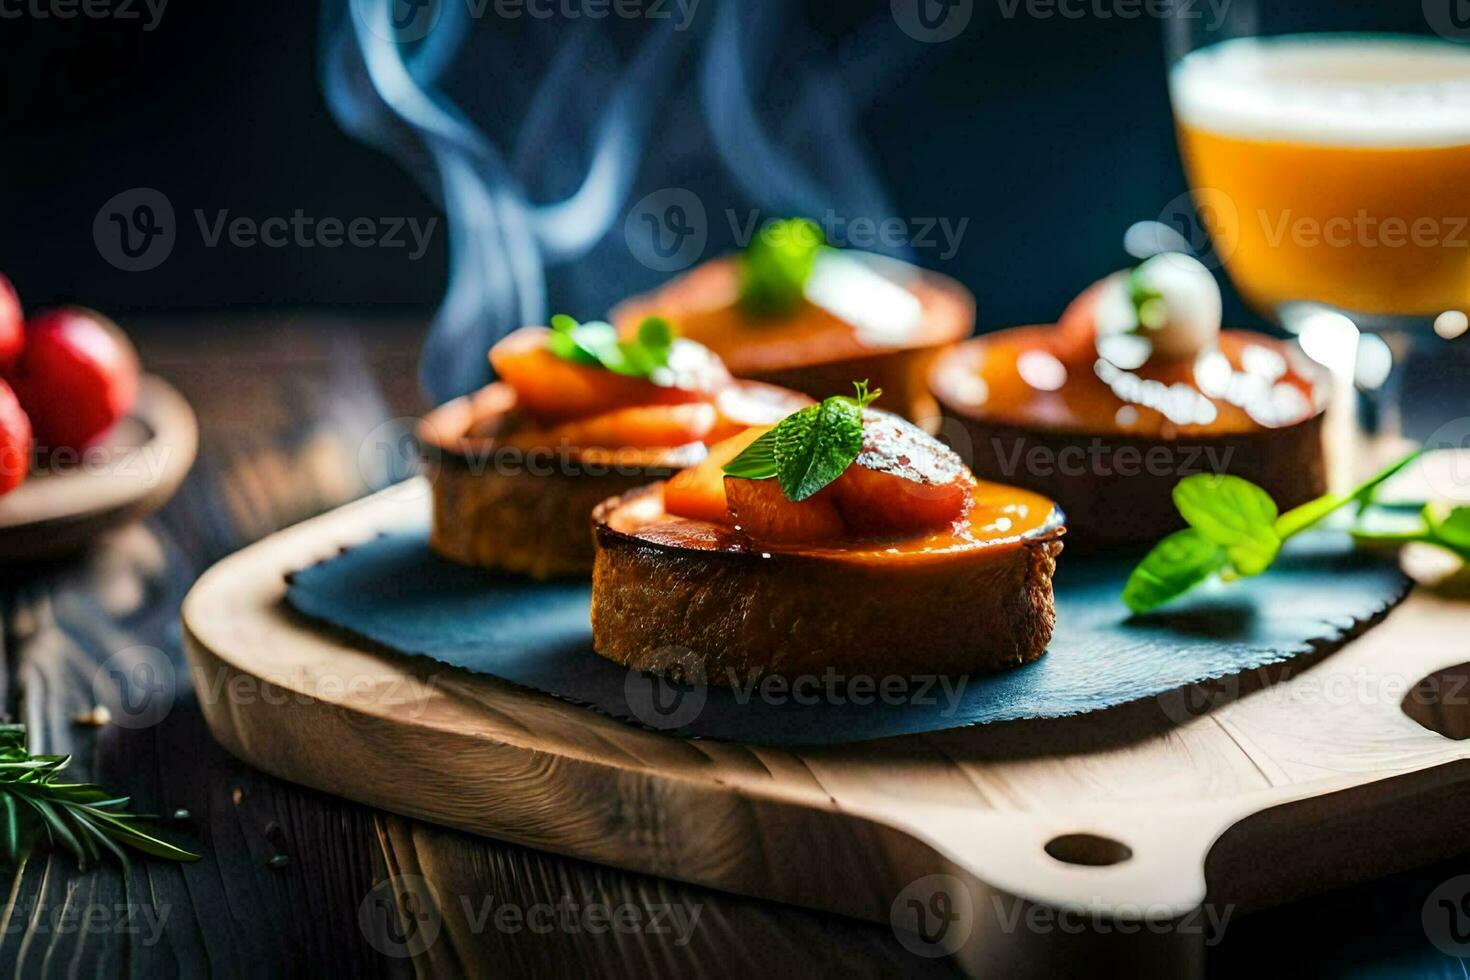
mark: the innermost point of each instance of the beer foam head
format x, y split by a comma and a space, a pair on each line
1333, 89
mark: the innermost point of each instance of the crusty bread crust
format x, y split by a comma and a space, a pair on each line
537, 525
728, 617
528, 511
517, 511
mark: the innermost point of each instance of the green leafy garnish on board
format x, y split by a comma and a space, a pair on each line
1234, 531
597, 344
84, 819
809, 449
775, 266
1450, 531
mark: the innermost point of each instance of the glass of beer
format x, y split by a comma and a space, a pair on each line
1330, 164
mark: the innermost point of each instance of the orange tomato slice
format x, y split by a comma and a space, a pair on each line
761, 510
554, 389
640, 427
699, 492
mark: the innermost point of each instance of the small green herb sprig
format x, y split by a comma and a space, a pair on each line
1450, 532
1148, 302
1234, 531
810, 448
597, 344
84, 819
775, 266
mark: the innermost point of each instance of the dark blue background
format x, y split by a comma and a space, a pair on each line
1049, 135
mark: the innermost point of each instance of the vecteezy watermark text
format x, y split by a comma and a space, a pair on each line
302, 230
403, 915
1365, 230
150, 12
937, 21
669, 229
935, 234
1211, 13
662, 702
137, 919
136, 230
1104, 459
408, 21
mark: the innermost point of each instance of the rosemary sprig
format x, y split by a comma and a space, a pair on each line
82, 818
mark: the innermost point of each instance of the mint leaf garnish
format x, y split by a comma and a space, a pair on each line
775, 266
809, 449
816, 445
1453, 529
1309, 513
596, 344
1233, 513
1450, 532
757, 462
1176, 564
1235, 531
571, 341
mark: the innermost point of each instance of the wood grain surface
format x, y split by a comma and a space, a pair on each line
1115, 813
284, 405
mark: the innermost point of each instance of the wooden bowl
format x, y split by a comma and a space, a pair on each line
126, 476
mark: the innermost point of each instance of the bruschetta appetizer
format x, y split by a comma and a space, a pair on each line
791, 311
843, 538
577, 415
1135, 388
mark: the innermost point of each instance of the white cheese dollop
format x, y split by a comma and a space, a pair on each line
1171, 301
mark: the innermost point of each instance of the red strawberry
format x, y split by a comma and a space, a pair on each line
76, 377
12, 326
15, 441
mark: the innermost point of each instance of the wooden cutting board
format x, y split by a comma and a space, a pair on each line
1121, 837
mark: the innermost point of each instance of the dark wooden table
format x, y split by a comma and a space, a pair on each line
291, 879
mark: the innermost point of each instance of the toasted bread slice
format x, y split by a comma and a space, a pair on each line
501, 501
702, 601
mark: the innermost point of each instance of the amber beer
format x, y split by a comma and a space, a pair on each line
1333, 168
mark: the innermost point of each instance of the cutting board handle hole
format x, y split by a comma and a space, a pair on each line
1091, 850
1441, 702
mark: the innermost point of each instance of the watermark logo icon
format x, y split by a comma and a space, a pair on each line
1447, 469
933, 21
391, 454
1205, 223
137, 685
1446, 917
661, 703
135, 230
399, 21
1184, 704
933, 916
667, 230
1450, 19
400, 916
